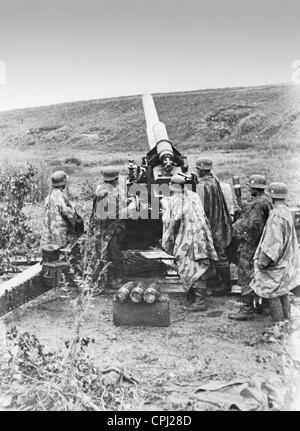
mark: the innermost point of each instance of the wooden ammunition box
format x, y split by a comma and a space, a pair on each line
141, 314
52, 273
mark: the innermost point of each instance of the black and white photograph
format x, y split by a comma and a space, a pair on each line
149, 208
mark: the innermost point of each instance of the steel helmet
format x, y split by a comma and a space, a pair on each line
58, 179
257, 182
278, 190
204, 163
110, 174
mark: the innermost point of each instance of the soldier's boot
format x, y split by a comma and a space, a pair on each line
201, 302
190, 296
276, 309
224, 276
246, 311
114, 275
262, 308
286, 306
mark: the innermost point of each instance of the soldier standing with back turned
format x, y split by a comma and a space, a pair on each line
108, 229
187, 236
277, 259
60, 219
247, 231
217, 213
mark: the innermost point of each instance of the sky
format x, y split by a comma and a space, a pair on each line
54, 51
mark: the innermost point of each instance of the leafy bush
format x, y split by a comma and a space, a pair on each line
34, 379
251, 122
17, 189
88, 188
272, 129
42, 179
72, 161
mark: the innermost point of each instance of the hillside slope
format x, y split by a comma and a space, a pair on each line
226, 118
253, 125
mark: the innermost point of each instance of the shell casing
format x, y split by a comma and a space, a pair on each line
124, 291
136, 295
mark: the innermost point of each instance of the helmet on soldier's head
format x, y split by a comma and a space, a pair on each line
257, 182
58, 179
110, 174
204, 163
177, 182
278, 190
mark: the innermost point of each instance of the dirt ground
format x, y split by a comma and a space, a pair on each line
196, 348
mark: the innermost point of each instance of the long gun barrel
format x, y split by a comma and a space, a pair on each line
157, 134
238, 191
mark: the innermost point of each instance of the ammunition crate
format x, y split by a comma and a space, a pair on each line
141, 314
52, 273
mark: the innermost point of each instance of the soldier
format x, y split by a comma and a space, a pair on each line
277, 259
187, 236
109, 230
247, 231
219, 218
60, 221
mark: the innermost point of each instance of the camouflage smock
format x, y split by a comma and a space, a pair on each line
105, 215
105, 227
247, 230
59, 216
217, 213
187, 236
279, 243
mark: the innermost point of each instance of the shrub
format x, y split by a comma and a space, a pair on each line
69, 169
88, 188
251, 122
33, 379
72, 161
42, 179
272, 129
17, 189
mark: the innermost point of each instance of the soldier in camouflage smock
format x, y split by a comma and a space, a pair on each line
59, 217
247, 231
187, 236
219, 218
277, 258
109, 231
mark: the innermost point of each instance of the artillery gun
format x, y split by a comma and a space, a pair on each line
145, 181
156, 169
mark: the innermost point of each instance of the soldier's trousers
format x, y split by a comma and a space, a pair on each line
222, 268
115, 255
245, 267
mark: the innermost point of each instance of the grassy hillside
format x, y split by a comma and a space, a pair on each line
245, 130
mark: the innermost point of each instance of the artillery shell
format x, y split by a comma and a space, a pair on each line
124, 291
151, 294
163, 298
136, 295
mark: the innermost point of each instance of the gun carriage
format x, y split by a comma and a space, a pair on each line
161, 162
